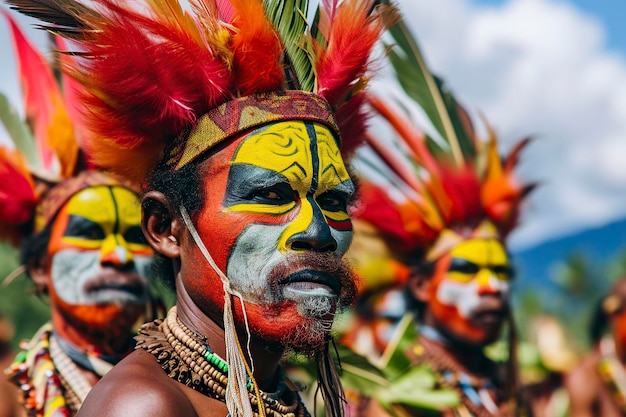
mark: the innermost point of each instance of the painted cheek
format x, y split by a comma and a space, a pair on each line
452, 319
302, 219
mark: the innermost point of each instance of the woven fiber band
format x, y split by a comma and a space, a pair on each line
62, 192
246, 113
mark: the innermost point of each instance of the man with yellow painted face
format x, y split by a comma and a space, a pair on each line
458, 285
89, 256
451, 202
82, 246
237, 121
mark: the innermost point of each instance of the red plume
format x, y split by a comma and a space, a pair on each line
351, 39
257, 49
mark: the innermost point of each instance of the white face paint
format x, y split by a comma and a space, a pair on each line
466, 296
79, 279
254, 257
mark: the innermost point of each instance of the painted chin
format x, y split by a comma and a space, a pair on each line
314, 293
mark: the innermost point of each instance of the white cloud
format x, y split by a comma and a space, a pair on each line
539, 67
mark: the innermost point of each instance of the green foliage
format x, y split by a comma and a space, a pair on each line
18, 301
394, 383
289, 17
18, 131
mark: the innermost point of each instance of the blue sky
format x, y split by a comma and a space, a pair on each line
611, 14
552, 69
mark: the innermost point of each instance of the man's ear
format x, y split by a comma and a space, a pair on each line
38, 272
160, 224
419, 284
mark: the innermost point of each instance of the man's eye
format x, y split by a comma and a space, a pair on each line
269, 195
82, 228
332, 202
504, 272
463, 266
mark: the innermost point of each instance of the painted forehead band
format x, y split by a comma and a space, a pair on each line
244, 114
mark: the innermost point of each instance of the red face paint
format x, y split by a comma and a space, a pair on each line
273, 203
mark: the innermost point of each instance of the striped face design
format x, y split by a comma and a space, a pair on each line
285, 196
471, 289
99, 255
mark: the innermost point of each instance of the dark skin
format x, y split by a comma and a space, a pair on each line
282, 217
588, 393
110, 337
459, 348
466, 352
148, 391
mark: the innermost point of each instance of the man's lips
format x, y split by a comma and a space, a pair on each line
310, 280
489, 316
124, 282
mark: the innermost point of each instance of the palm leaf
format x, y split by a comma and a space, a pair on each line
416, 388
18, 131
289, 18
421, 86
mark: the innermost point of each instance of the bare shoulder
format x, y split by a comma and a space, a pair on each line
137, 387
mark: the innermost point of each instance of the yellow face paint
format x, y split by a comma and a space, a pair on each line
104, 218
98, 253
479, 259
311, 176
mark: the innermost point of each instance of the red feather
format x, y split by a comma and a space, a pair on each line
40, 90
17, 194
352, 121
172, 80
257, 49
352, 37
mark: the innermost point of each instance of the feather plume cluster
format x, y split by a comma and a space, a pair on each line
45, 148
428, 198
454, 183
150, 69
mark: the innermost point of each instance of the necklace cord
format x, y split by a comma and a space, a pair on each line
237, 400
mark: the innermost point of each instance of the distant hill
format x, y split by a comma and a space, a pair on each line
599, 245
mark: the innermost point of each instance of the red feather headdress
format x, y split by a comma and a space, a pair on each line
155, 76
45, 166
429, 194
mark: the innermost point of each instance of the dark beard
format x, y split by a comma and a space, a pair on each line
323, 262
314, 332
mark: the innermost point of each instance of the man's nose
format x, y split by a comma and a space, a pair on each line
115, 252
317, 237
487, 282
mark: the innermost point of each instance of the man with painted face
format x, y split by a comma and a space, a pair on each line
82, 245
597, 386
453, 203
90, 258
237, 121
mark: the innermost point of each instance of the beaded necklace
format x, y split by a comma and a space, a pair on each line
186, 357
